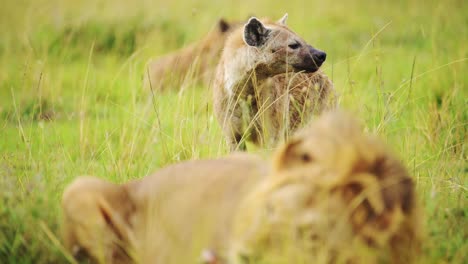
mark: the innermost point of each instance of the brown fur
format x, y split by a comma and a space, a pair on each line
290, 100
254, 83
195, 62
333, 195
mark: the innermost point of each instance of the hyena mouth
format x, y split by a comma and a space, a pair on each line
308, 69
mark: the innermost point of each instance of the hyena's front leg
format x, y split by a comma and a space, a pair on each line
235, 125
95, 223
234, 135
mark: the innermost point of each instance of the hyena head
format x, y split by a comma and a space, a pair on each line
280, 49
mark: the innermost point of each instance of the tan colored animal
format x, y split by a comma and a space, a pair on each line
169, 217
332, 195
335, 195
253, 83
195, 62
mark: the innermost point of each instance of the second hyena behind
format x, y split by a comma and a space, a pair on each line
196, 62
268, 83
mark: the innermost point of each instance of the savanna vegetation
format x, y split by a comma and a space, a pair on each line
71, 101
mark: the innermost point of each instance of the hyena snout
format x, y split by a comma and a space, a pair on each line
312, 59
318, 56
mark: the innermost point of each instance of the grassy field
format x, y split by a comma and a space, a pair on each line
71, 101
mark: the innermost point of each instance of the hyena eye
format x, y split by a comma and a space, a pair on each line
295, 45
306, 158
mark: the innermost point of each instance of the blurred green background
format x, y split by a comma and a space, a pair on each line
71, 101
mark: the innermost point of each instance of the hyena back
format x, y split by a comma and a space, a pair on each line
196, 62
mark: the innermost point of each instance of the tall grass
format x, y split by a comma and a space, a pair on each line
71, 101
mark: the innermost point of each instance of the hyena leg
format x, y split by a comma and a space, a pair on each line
236, 142
94, 220
240, 143
232, 128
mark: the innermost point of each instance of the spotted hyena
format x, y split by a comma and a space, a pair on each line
196, 62
267, 69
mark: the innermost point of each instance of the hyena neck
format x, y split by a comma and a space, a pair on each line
244, 71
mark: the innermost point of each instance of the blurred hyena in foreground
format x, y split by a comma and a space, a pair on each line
257, 95
331, 195
194, 63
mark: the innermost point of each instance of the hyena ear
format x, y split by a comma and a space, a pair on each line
291, 154
223, 25
255, 33
282, 20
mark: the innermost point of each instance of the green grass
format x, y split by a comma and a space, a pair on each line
71, 101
